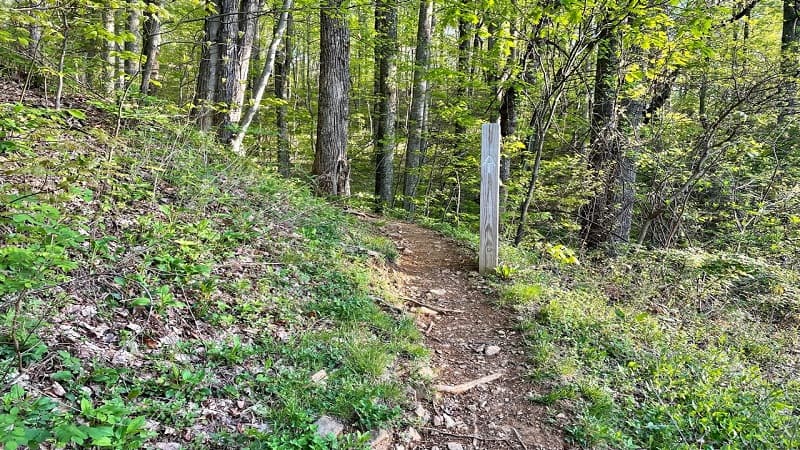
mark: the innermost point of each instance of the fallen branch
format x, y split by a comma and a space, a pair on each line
465, 436
516, 433
434, 308
464, 387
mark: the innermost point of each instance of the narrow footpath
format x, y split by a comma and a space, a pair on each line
471, 338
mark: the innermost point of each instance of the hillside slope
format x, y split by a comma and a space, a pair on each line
156, 292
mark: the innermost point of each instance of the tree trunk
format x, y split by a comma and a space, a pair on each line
109, 69
508, 126
331, 167
263, 79
239, 21
465, 36
133, 45
386, 100
62, 57
419, 98
206, 89
790, 67
600, 215
151, 42
283, 67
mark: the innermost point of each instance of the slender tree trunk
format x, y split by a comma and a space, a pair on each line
600, 215
151, 42
283, 67
207, 75
386, 100
133, 45
263, 79
109, 70
62, 57
790, 38
256, 53
419, 98
331, 167
541, 120
465, 36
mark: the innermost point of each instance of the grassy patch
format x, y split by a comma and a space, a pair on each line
156, 289
665, 350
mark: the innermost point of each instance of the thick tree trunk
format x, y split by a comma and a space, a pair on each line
133, 45
331, 167
283, 68
151, 41
386, 100
600, 215
416, 123
263, 79
239, 21
206, 89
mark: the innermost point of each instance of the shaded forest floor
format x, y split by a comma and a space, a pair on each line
470, 337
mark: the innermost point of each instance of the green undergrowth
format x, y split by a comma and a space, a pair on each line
677, 349
156, 290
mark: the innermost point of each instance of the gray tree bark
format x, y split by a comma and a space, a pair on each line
109, 69
386, 100
600, 215
134, 45
283, 68
790, 66
416, 122
238, 23
151, 42
263, 79
206, 89
331, 167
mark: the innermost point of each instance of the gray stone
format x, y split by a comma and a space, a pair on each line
168, 446
380, 440
422, 413
327, 426
412, 435
454, 446
491, 350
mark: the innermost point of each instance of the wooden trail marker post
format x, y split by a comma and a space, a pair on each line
490, 197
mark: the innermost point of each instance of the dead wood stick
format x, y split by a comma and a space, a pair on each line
434, 308
465, 436
516, 433
464, 387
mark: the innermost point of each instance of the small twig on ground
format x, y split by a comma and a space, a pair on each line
360, 214
430, 327
516, 433
464, 387
475, 429
465, 436
387, 304
434, 308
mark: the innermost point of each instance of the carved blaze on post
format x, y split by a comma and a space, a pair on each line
490, 197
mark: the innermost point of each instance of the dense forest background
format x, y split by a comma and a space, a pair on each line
173, 239
665, 124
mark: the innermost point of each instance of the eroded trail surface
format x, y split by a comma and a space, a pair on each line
470, 337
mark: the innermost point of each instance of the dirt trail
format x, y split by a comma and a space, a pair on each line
497, 415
